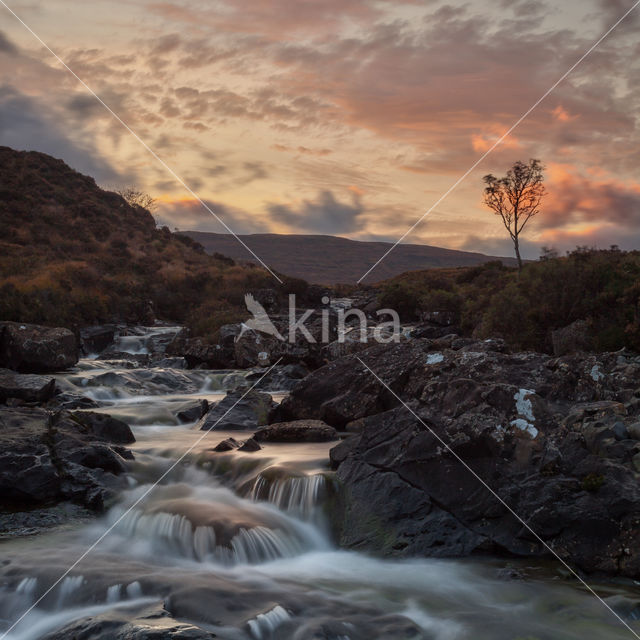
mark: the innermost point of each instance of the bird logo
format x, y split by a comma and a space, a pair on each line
260, 321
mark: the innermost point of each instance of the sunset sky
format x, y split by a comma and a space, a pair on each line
344, 117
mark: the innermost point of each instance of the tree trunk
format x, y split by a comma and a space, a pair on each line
516, 244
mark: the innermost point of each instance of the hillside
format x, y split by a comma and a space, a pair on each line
332, 260
588, 299
72, 253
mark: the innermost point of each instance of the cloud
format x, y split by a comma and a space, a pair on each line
188, 214
575, 199
24, 126
6, 46
324, 215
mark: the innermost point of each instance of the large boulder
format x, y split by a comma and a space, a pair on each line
26, 387
96, 339
30, 348
344, 390
240, 409
419, 497
297, 431
553, 437
49, 458
574, 338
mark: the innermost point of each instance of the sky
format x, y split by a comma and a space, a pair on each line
342, 117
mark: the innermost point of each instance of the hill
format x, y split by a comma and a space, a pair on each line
72, 254
332, 260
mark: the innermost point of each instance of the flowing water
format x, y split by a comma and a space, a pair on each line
239, 544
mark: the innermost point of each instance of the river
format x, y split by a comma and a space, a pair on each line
240, 545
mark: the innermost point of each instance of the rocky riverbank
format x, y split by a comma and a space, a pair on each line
558, 439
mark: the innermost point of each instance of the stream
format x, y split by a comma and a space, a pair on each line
239, 544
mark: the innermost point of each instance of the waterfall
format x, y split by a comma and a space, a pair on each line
264, 624
299, 495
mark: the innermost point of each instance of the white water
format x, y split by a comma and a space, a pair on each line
238, 544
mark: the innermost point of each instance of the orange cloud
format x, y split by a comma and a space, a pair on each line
481, 143
562, 115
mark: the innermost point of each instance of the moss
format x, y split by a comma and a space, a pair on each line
592, 482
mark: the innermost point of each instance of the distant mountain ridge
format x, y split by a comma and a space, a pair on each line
332, 259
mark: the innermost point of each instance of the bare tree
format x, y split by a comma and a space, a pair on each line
516, 197
138, 198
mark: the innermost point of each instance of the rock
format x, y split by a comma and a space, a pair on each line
178, 344
355, 341
170, 363
50, 458
152, 623
572, 338
297, 431
93, 340
32, 348
280, 378
199, 354
402, 484
73, 401
439, 318
344, 390
268, 298
250, 446
104, 427
256, 349
239, 409
634, 430
194, 412
626, 607
432, 331
539, 429
226, 445
27, 387
620, 431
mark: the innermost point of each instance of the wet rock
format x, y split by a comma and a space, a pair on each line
239, 409
27, 387
250, 446
104, 427
124, 358
226, 445
620, 431
344, 390
355, 341
634, 430
297, 431
171, 363
280, 378
401, 483
541, 431
95, 339
32, 348
626, 607
71, 401
18, 524
200, 354
256, 349
49, 458
194, 412
152, 623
